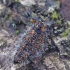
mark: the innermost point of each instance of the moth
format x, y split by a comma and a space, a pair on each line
33, 45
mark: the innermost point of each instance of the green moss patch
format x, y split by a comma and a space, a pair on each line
65, 33
59, 22
55, 15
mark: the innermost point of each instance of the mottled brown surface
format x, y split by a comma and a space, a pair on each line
32, 46
65, 9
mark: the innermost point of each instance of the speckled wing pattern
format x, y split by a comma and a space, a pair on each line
33, 44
